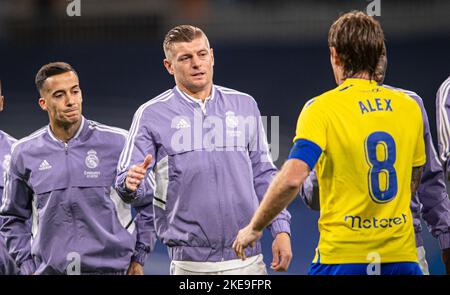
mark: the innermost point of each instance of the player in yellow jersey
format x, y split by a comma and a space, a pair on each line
366, 144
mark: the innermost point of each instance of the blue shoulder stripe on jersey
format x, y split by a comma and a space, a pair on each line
307, 151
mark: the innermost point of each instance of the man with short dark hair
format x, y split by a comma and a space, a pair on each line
61, 176
365, 141
7, 264
209, 165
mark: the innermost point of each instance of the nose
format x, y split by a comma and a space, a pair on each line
195, 62
70, 99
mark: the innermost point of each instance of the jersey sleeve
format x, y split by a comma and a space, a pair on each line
442, 122
139, 143
15, 213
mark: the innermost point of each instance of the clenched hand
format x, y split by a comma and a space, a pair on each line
137, 173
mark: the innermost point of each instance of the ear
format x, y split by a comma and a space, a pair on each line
334, 57
212, 56
168, 66
42, 103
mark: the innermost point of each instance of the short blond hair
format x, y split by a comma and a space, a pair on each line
182, 33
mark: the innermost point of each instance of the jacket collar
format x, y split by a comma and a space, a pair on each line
191, 99
81, 131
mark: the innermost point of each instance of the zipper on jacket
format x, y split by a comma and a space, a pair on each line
69, 192
203, 107
70, 196
222, 250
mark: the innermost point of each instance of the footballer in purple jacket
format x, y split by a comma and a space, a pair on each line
208, 164
62, 177
443, 123
7, 264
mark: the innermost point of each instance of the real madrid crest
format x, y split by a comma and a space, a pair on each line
231, 120
91, 160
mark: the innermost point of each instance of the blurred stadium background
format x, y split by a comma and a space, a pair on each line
274, 50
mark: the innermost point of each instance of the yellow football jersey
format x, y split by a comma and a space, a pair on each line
371, 138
